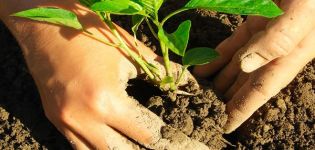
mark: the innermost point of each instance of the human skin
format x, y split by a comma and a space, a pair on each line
262, 57
81, 81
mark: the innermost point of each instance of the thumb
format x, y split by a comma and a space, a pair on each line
267, 82
280, 37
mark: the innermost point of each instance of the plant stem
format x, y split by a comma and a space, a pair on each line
173, 14
184, 69
167, 64
124, 47
99, 39
166, 59
154, 70
151, 29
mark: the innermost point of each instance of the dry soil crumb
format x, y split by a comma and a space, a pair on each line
200, 117
13, 134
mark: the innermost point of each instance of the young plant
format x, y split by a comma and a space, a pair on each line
147, 11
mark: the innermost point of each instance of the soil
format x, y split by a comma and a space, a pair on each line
285, 122
201, 116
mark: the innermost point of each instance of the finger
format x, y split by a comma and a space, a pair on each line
227, 76
89, 132
280, 37
135, 121
267, 82
228, 47
74, 141
241, 79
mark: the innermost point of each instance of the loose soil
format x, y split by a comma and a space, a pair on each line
285, 122
201, 116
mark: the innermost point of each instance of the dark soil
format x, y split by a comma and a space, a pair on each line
23, 124
286, 122
200, 117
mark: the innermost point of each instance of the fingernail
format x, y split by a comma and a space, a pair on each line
251, 62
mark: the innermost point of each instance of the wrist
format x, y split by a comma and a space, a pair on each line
27, 32
19, 26
8, 7
32, 33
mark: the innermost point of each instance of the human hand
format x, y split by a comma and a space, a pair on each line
261, 58
82, 82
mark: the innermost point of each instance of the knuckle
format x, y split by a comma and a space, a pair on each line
276, 49
64, 116
99, 102
281, 46
61, 116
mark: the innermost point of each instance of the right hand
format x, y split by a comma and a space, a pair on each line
262, 57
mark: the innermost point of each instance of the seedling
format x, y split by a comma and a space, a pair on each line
147, 11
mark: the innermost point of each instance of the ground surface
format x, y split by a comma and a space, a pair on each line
23, 124
287, 121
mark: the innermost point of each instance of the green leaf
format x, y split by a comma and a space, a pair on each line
266, 8
199, 56
136, 22
88, 3
178, 40
151, 6
52, 15
119, 7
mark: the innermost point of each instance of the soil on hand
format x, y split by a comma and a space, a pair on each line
285, 122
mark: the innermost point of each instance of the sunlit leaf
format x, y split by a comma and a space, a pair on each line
265, 8
151, 6
177, 41
52, 15
120, 7
199, 56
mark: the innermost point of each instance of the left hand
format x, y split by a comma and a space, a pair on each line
262, 57
82, 82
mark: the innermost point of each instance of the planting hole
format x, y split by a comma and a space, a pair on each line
142, 90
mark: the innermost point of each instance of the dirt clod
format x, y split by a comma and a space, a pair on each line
200, 117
